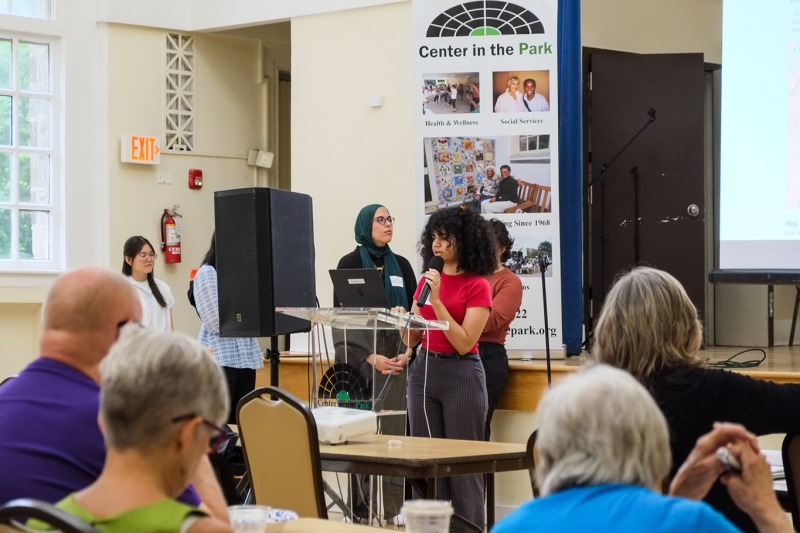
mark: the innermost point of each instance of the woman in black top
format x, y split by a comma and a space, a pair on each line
374, 229
649, 327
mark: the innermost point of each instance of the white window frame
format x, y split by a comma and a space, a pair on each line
520, 156
56, 230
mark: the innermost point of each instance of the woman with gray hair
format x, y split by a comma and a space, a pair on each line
603, 453
650, 328
162, 401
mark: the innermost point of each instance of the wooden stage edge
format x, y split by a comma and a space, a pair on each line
527, 380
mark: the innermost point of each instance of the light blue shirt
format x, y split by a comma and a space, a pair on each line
233, 352
613, 508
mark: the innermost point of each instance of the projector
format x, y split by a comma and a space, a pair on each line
337, 424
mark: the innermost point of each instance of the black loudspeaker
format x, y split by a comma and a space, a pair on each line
265, 259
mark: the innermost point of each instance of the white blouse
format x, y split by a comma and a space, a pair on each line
153, 315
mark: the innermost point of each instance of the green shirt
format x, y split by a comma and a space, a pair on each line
165, 516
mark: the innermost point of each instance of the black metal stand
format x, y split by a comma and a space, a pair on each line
274, 357
544, 262
601, 178
635, 173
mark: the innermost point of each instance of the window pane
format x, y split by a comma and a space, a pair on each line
34, 229
39, 9
34, 179
5, 177
5, 64
5, 233
34, 122
544, 142
34, 67
5, 120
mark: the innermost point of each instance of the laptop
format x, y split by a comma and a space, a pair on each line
359, 287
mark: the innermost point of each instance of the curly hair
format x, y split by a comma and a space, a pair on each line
475, 241
504, 240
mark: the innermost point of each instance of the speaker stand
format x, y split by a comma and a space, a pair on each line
274, 357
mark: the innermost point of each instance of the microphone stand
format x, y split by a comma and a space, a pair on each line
635, 173
544, 262
601, 177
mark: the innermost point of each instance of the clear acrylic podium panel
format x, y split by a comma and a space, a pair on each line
362, 318
355, 333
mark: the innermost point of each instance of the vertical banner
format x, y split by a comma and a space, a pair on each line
487, 134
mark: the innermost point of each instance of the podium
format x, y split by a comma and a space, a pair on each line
354, 319
356, 333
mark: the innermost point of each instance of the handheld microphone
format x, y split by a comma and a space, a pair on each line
436, 263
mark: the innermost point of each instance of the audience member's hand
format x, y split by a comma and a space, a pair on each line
752, 489
702, 468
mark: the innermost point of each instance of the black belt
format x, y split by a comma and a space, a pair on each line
450, 355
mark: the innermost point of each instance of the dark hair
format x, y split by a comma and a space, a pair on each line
530, 80
210, 258
131, 248
475, 242
504, 240
506, 166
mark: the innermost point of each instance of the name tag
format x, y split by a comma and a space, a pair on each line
397, 281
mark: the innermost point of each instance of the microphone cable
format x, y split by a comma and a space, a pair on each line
425, 383
730, 362
383, 391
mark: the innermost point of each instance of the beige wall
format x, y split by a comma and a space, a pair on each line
654, 26
346, 154
229, 106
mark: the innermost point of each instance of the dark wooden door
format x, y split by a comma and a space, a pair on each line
668, 156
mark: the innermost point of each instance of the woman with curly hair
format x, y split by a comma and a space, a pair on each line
446, 383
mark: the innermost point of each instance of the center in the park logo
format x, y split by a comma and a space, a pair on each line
487, 17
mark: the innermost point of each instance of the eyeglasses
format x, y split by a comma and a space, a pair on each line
217, 441
384, 221
145, 256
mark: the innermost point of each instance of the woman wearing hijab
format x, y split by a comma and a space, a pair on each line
374, 228
373, 232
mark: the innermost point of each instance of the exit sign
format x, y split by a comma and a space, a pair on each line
141, 149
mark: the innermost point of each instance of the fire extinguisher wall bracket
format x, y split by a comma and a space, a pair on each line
170, 240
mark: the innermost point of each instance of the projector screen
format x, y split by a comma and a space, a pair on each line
760, 136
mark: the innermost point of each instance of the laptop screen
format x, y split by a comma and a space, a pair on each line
359, 287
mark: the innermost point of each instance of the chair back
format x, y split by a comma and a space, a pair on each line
24, 508
533, 453
281, 451
791, 467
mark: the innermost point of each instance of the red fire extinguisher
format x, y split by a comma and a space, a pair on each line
170, 236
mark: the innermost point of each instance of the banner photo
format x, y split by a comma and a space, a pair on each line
487, 131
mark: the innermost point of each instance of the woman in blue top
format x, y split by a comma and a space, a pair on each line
604, 452
239, 357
